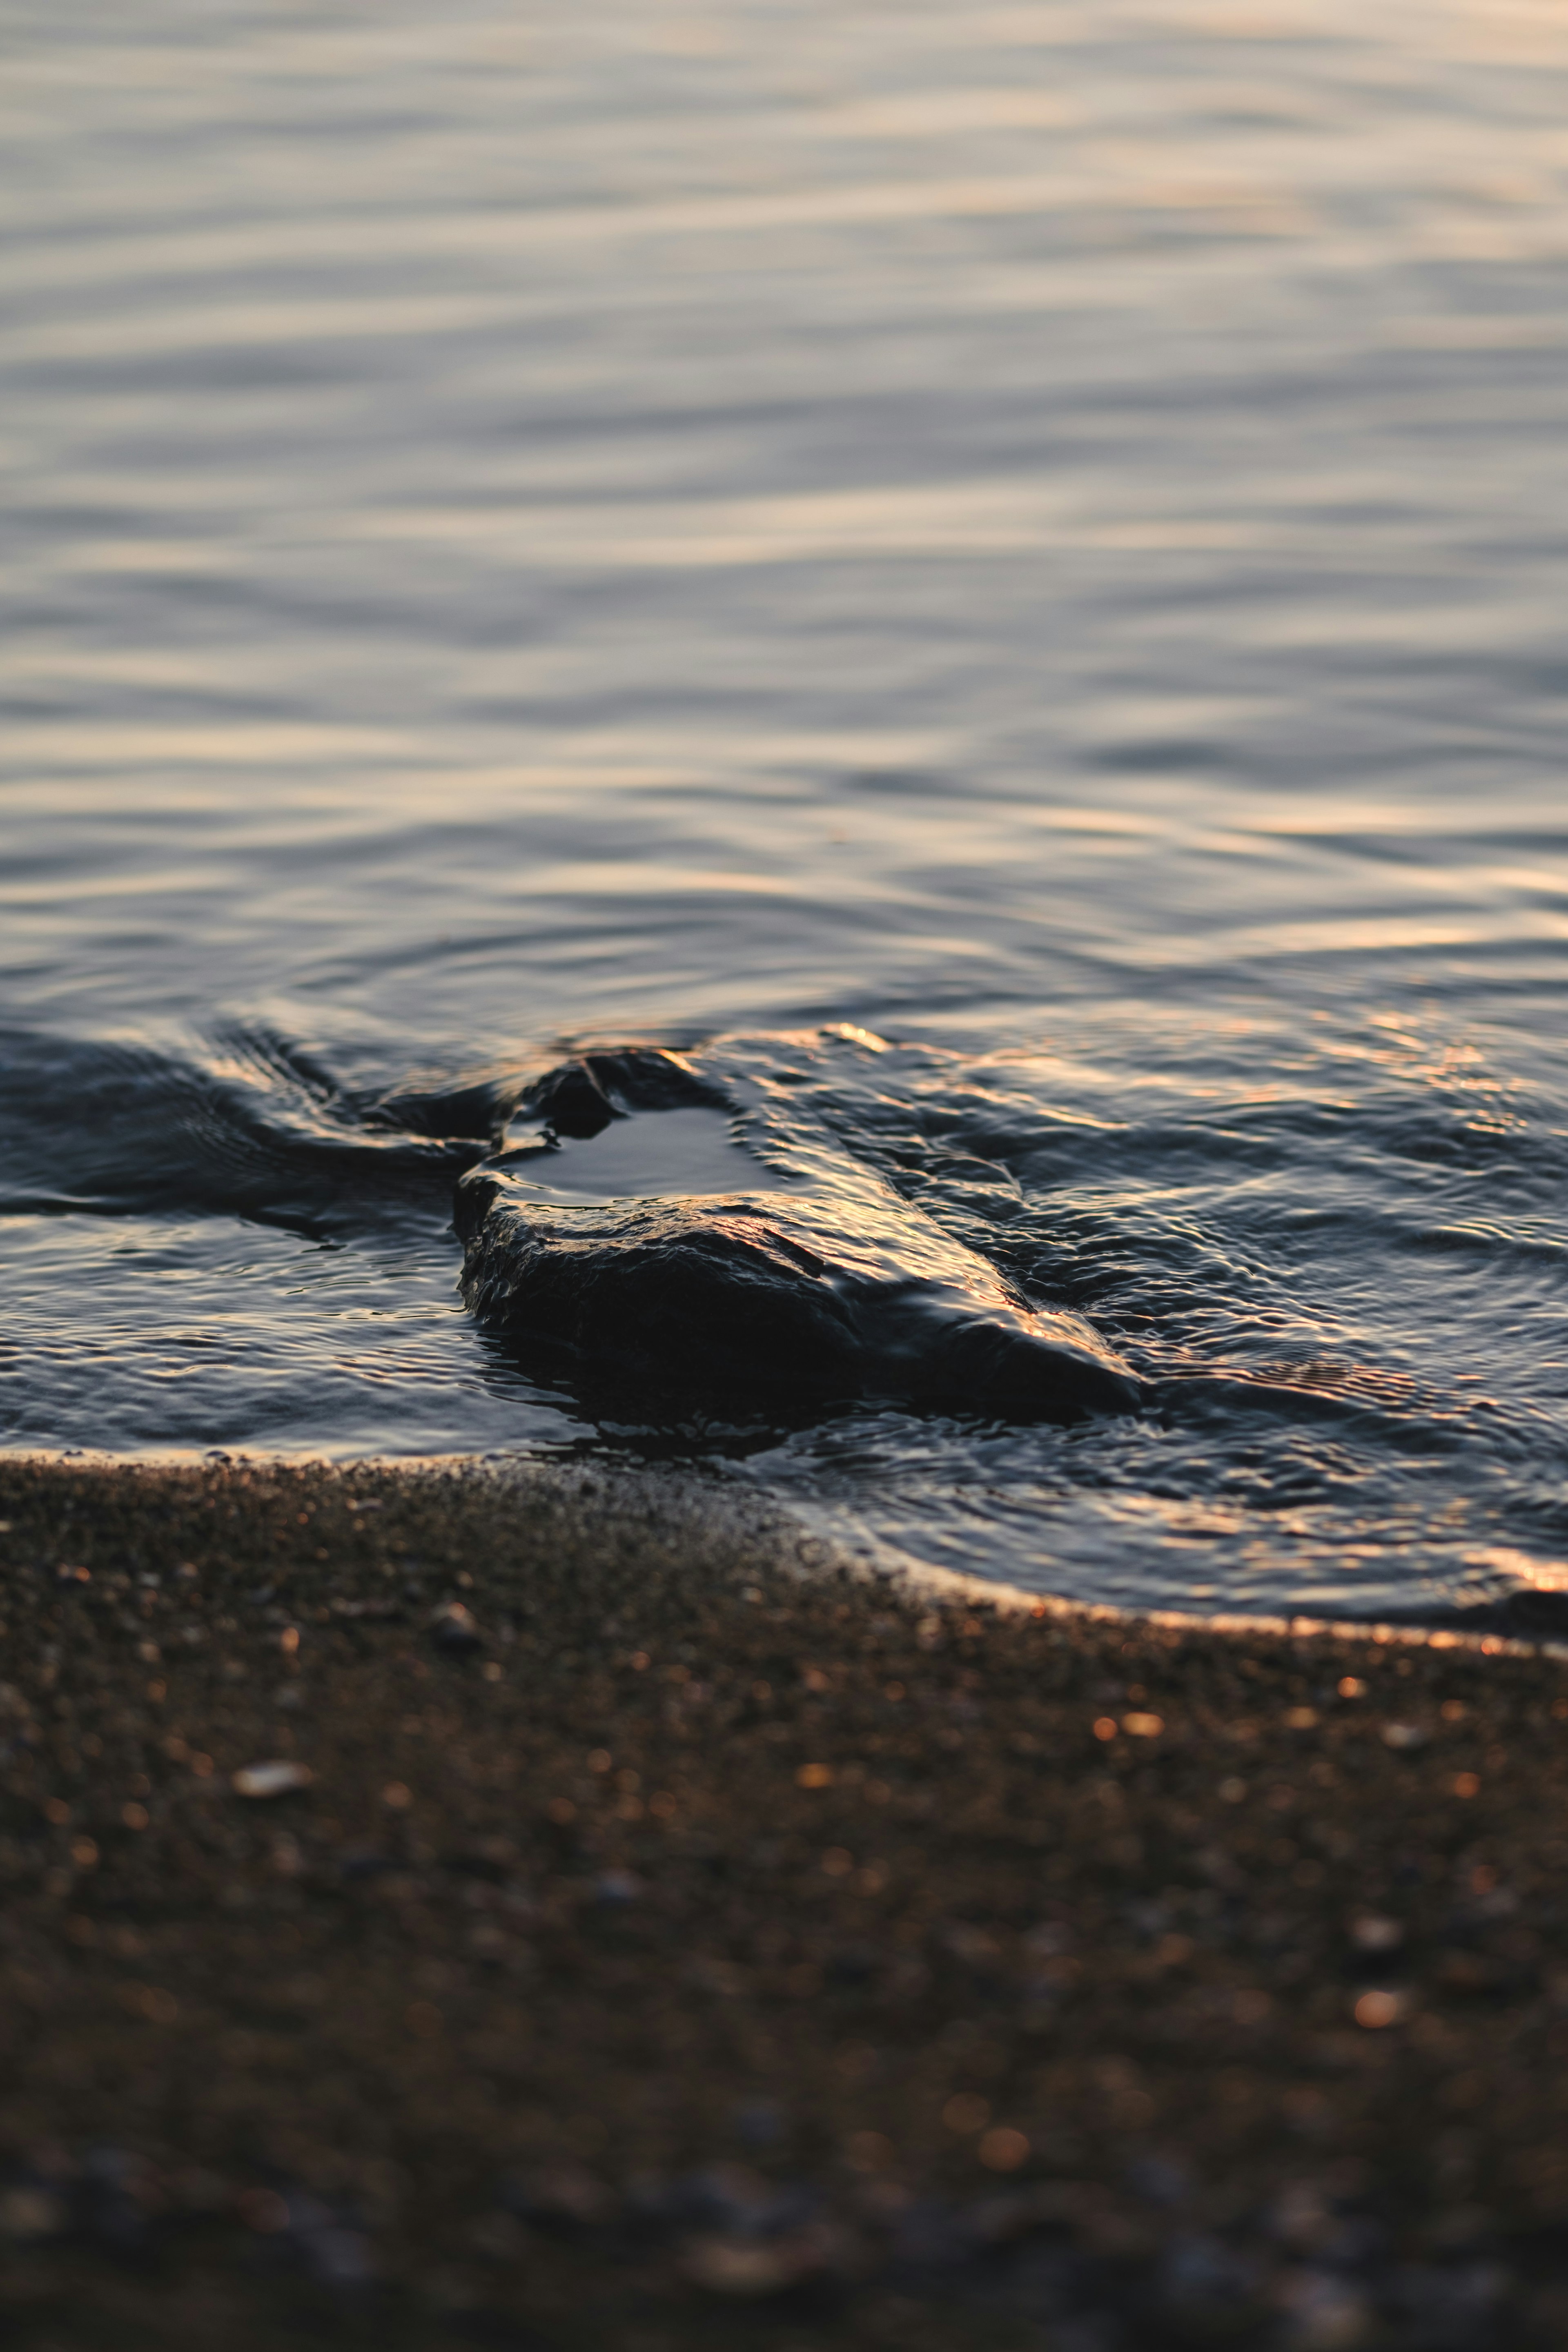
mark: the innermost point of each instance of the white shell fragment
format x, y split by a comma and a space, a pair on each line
274, 1779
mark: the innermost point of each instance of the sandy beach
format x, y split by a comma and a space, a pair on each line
571, 1908
773, 758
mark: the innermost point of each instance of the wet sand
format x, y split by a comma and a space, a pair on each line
673, 1936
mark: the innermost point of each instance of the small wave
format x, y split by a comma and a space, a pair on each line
253, 1127
1313, 1303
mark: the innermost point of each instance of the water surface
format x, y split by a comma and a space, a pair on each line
1000, 571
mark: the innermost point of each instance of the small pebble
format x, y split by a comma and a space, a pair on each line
28, 2213
277, 1778
746, 2267
453, 1629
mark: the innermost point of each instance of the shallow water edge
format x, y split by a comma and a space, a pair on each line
727, 1527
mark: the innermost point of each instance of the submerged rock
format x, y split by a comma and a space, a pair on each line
632, 1235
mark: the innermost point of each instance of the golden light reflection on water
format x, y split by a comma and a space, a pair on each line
1039, 524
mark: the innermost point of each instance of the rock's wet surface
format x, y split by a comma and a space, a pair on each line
637, 1233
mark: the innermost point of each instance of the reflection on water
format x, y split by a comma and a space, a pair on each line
1035, 530
680, 1155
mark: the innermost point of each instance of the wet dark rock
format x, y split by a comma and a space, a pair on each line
580, 1097
821, 1284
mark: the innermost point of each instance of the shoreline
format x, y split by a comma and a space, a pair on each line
750, 1514
677, 1933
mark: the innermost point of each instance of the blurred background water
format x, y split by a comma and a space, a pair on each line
1036, 531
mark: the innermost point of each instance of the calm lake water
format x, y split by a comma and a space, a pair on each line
1035, 536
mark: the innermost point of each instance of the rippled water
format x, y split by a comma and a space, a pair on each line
1033, 536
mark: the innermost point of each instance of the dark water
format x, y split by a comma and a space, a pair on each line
998, 572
